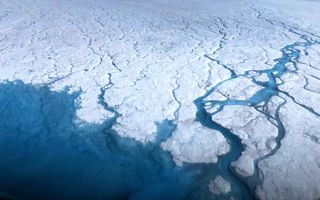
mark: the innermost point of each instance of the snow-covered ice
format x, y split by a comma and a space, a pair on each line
219, 185
236, 83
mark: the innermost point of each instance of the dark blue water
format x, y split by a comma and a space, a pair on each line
45, 155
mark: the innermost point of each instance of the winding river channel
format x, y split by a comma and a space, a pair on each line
244, 188
46, 155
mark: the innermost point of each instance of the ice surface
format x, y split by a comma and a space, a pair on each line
291, 173
219, 185
194, 143
255, 131
234, 85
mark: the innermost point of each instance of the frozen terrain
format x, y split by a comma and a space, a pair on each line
160, 99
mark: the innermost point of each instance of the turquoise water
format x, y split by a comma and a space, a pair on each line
44, 155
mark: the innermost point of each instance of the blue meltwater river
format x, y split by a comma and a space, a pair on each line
46, 155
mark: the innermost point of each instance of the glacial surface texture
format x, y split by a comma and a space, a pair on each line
159, 99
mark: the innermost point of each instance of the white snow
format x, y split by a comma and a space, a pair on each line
255, 131
153, 58
293, 172
194, 143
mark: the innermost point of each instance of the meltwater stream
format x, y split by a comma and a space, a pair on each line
46, 155
244, 188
